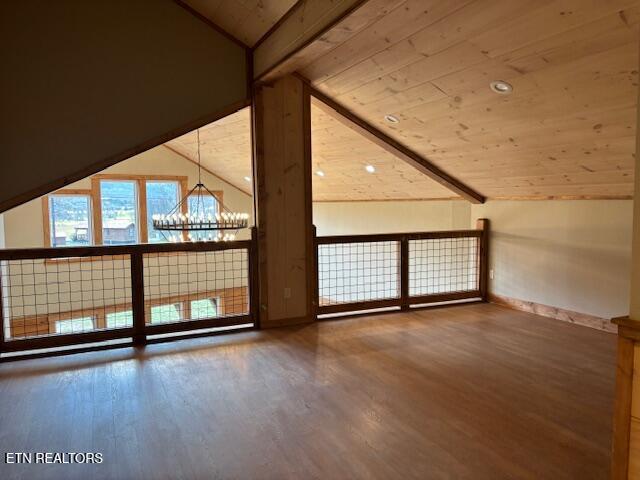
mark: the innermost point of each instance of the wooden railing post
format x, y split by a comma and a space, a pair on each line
404, 273
137, 298
1, 314
254, 295
483, 252
315, 300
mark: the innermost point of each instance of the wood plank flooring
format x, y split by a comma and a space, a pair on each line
467, 392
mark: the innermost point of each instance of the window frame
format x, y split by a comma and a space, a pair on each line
46, 212
182, 191
141, 186
138, 212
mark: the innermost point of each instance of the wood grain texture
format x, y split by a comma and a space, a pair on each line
282, 145
622, 409
398, 150
634, 451
246, 20
225, 148
566, 130
635, 411
337, 151
557, 313
475, 392
306, 22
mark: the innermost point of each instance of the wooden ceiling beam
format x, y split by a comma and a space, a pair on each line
304, 23
351, 120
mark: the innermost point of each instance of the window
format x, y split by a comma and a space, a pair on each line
117, 210
169, 313
120, 319
162, 196
69, 220
118, 201
205, 308
203, 205
74, 325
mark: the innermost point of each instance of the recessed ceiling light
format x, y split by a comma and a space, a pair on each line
391, 119
370, 168
247, 179
320, 173
501, 87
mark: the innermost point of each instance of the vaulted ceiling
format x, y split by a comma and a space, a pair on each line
338, 152
247, 20
566, 130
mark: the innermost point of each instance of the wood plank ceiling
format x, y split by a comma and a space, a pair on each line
338, 152
567, 130
246, 20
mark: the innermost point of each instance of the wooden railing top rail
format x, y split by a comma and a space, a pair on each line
104, 250
387, 237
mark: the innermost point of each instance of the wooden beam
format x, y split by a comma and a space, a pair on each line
351, 120
305, 22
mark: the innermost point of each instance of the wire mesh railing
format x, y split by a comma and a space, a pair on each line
363, 272
58, 297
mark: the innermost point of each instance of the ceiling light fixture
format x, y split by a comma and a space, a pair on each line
391, 118
370, 168
192, 214
501, 87
320, 173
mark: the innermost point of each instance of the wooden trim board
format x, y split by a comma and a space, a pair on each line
556, 313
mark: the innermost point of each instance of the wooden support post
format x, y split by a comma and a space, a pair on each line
404, 273
483, 246
137, 298
282, 164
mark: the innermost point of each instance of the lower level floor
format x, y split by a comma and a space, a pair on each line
466, 392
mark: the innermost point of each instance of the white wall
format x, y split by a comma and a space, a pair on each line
570, 254
343, 218
574, 255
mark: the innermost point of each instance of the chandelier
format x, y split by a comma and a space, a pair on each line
192, 219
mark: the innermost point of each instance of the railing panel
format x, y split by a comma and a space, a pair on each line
358, 272
69, 296
443, 265
362, 272
196, 285
64, 296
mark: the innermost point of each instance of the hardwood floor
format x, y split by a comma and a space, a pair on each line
467, 392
